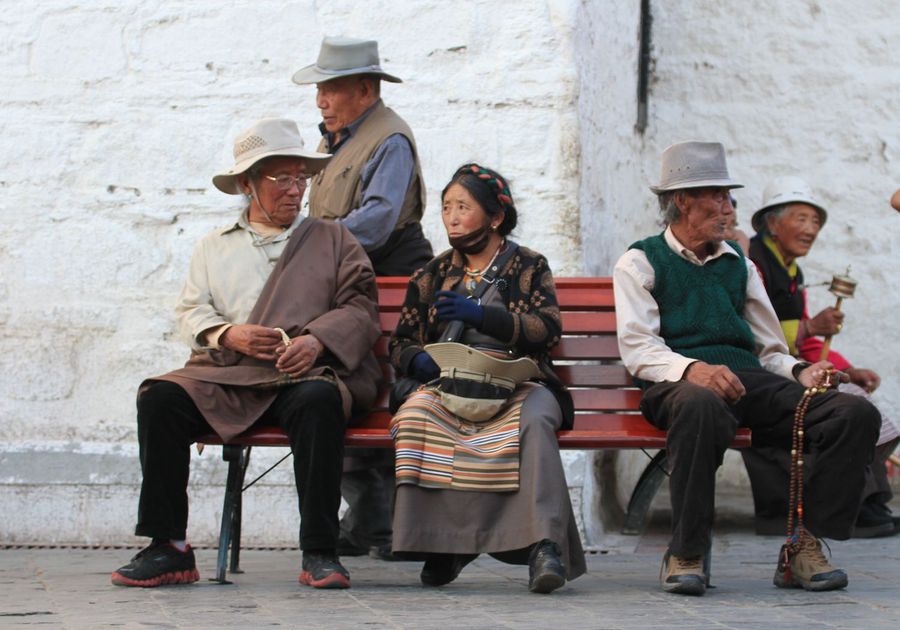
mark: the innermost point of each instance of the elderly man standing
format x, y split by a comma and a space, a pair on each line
260, 355
787, 224
374, 187
696, 328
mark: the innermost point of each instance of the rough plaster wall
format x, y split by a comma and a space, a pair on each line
114, 116
798, 87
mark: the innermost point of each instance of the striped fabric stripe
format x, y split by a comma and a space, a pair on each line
436, 449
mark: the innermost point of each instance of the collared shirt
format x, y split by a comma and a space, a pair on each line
228, 270
645, 352
385, 179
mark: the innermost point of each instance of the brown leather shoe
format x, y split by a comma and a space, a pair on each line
682, 575
809, 568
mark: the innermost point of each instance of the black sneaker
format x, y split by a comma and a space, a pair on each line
157, 564
383, 552
443, 568
323, 570
545, 569
345, 548
874, 521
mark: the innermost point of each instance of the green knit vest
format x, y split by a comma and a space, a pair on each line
701, 306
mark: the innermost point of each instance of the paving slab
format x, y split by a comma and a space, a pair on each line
69, 588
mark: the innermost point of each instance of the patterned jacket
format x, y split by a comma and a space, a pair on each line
530, 323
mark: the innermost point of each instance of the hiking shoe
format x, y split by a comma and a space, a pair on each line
323, 570
684, 576
809, 568
545, 569
874, 521
157, 564
443, 568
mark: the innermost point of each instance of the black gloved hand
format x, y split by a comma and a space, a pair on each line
452, 306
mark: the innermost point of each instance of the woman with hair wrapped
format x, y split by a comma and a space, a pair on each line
493, 485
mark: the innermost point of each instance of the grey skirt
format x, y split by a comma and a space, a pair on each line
503, 524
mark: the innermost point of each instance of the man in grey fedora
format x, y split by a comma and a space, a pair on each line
699, 334
374, 187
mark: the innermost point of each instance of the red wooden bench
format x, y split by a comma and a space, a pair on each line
587, 359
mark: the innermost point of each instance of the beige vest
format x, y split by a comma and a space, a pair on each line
337, 189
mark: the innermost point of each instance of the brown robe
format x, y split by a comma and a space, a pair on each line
323, 284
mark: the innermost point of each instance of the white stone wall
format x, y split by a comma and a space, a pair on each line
114, 115
801, 87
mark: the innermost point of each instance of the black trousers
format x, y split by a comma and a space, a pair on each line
169, 421
840, 430
769, 470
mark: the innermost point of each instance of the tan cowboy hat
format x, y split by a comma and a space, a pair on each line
783, 190
694, 165
268, 137
450, 355
343, 57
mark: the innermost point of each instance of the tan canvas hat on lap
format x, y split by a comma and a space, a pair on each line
343, 57
475, 385
450, 355
268, 137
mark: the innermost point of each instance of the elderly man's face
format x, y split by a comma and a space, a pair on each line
279, 183
342, 101
795, 231
706, 213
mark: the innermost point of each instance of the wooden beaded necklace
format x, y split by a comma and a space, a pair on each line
795, 506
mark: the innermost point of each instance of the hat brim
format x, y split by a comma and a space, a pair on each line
449, 355
314, 74
758, 221
717, 183
227, 181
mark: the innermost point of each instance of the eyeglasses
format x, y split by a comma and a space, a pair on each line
285, 182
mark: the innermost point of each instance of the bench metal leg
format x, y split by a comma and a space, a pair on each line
643, 494
235, 566
234, 455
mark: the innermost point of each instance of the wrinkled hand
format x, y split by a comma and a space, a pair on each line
867, 379
452, 306
296, 359
811, 375
259, 342
424, 368
828, 322
717, 378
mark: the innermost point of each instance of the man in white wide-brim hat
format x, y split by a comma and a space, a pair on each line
261, 356
787, 224
697, 331
374, 187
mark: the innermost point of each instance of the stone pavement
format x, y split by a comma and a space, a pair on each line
70, 588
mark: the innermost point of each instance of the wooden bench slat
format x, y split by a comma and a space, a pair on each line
592, 431
574, 322
606, 399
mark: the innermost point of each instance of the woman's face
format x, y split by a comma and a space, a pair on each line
461, 213
795, 231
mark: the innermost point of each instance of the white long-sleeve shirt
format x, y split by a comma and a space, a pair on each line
645, 352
